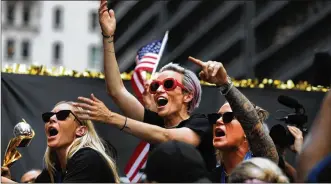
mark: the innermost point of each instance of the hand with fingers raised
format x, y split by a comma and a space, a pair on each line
298, 139
212, 71
106, 19
93, 109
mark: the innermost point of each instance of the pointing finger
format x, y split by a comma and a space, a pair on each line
197, 61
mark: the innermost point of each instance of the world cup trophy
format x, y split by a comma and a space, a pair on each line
23, 134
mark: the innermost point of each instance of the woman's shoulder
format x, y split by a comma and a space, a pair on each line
198, 119
88, 158
88, 165
86, 152
199, 115
43, 177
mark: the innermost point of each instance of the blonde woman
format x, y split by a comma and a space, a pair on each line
257, 170
74, 153
239, 136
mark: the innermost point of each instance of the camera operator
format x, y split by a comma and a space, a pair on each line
283, 142
298, 139
289, 136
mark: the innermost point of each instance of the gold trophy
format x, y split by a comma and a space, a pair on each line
23, 135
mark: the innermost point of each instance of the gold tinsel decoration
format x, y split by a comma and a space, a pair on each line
244, 83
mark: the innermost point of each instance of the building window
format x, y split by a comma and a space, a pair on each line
57, 53
10, 13
26, 50
10, 49
95, 57
58, 16
26, 14
93, 20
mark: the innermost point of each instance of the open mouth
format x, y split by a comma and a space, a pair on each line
219, 133
52, 132
161, 101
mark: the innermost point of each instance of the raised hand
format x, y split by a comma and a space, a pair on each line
93, 109
212, 71
298, 138
106, 19
147, 98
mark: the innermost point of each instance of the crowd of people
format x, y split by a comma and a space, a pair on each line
231, 145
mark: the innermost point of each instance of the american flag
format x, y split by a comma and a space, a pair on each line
137, 162
147, 60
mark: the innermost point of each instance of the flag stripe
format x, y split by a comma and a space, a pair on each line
138, 83
145, 67
135, 167
147, 59
143, 161
136, 91
147, 62
135, 155
139, 174
151, 55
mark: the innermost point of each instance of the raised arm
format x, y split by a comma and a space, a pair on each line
130, 106
260, 142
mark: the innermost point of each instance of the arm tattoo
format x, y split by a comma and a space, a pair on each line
260, 142
110, 41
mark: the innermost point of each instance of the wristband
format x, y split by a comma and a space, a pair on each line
225, 88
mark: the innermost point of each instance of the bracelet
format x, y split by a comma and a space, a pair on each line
227, 91
105, 36
227, 87
126, 119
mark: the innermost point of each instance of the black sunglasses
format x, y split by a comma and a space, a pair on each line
60, 115
227, 117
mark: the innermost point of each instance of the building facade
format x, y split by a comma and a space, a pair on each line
52, 33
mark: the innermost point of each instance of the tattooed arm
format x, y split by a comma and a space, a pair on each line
259, 140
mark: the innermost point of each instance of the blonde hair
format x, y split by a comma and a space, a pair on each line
262, 115
258, 168
90, 139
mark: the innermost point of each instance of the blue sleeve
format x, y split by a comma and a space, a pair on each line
321, 172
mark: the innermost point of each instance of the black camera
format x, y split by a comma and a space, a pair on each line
279, 133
